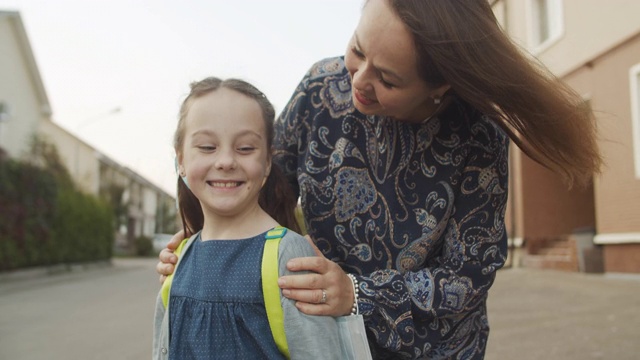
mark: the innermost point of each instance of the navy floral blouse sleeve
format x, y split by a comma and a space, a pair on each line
416, 211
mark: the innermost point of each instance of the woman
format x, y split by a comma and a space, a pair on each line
399, 154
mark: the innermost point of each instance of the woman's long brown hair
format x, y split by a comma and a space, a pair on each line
460, 43
276, 196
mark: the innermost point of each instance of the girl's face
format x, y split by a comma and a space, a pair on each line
225, 155
381, 60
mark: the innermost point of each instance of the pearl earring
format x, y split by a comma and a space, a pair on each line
436, 101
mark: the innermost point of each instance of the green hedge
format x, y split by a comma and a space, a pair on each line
44, 220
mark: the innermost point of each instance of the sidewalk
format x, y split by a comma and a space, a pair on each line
547, 314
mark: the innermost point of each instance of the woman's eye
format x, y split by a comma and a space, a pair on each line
386, 84
357, 52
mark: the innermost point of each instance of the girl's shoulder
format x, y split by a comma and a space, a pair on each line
294, 245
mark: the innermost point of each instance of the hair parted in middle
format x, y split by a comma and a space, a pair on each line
276, 196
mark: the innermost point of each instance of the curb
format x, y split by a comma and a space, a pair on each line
43, 271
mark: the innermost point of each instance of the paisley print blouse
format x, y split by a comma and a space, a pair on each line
415, 211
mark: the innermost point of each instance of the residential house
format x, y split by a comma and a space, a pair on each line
595, 48
23, 100
143, 209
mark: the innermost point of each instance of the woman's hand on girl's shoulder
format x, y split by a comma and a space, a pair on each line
327, 290
168, 259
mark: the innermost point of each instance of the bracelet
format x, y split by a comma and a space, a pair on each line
356, 292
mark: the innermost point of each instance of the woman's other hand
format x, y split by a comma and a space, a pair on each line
307, 289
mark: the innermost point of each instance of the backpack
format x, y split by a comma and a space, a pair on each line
270, 289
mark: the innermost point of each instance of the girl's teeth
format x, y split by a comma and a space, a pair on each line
225, 184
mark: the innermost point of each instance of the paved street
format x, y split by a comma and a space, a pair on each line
100, 313
546, 314
106, 313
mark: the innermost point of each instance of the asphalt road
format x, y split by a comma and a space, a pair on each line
106, 312
546, 314
99, 313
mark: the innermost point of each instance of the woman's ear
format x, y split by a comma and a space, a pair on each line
442, 90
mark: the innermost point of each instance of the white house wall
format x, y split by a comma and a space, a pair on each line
149, 208
591, 28
20, 90
79, 158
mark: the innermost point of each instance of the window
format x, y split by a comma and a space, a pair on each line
500, 11
4, 117
634, 76
4, 111
546, 23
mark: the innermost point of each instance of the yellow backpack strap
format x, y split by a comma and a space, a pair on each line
270, 289
166, 285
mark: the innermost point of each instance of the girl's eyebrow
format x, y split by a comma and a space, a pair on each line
208, 132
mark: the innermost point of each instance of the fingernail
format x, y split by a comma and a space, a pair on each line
281, 282
286, 292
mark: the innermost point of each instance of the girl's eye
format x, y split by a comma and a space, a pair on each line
207, 148
246, 149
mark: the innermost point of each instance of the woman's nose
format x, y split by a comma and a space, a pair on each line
361, 79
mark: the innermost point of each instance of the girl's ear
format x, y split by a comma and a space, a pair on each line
177, 163
181, 170
267, 171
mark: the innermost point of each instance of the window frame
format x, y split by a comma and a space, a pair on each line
499, 8
555, 23
634, 84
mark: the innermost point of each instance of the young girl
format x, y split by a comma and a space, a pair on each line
230, 197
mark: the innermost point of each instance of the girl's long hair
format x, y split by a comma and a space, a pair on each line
460, 43
276, 196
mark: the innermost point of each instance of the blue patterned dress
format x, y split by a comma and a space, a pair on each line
416, 211
217, 306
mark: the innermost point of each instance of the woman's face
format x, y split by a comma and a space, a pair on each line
381, 59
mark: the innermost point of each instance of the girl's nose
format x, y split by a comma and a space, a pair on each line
225, 160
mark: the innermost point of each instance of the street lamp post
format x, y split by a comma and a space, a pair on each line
88, 121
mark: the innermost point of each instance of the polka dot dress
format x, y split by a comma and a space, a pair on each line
217, 309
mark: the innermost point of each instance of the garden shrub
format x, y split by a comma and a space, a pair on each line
45, 220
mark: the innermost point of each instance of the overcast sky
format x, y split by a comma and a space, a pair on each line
139, 56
